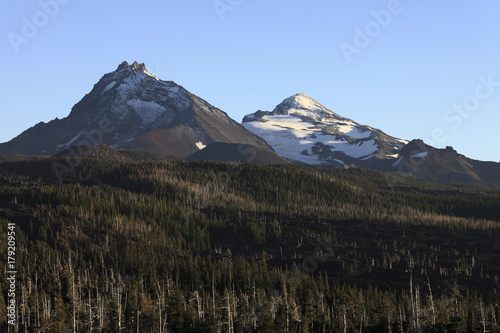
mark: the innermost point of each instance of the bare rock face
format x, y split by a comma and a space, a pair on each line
131, 108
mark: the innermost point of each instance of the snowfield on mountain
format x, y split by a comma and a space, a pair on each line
304, 130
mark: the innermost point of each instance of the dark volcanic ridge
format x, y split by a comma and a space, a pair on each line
130, 109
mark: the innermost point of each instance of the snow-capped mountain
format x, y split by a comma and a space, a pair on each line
132, 109
302, 129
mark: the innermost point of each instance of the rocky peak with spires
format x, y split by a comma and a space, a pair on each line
135, 66
144, 112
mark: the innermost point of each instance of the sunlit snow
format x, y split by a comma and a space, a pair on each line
290, 136
109, 86
420, 155
200, 145
148, 111
300, 124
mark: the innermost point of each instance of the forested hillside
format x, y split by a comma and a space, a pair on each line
172, 246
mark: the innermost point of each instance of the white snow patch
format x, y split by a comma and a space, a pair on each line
200, 145
130, 83
344, 128
353, 150
304, 106
287, 121
153, 76
420, 155
300, 124
148, 111
306, 102
405, 142
358, 134
109, 86
289, 135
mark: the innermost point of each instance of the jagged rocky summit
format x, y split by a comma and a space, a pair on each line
130, 108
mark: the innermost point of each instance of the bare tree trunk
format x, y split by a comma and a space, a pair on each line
137, 320
431, 299
73, 294
401, 330
119, 307
91, 314
413, 308
493, 318
230, 314
361, 322
24, 319
344, 319
100, 310
37, 316
417, 308
483, 317
161, 302
199, 305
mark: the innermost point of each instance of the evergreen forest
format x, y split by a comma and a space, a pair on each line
174, 246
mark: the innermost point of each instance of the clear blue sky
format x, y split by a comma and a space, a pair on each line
409, 76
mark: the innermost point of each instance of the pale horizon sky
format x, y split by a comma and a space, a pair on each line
412, 68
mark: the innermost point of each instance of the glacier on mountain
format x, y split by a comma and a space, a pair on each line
302, 129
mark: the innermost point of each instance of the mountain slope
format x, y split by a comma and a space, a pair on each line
166, 239
132, 109
422, 161
232, 152
302, 129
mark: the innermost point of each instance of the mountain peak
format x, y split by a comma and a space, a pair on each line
302, 129
123, 65
136, 67
301, 104
301, 95
302, 100
131, 109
